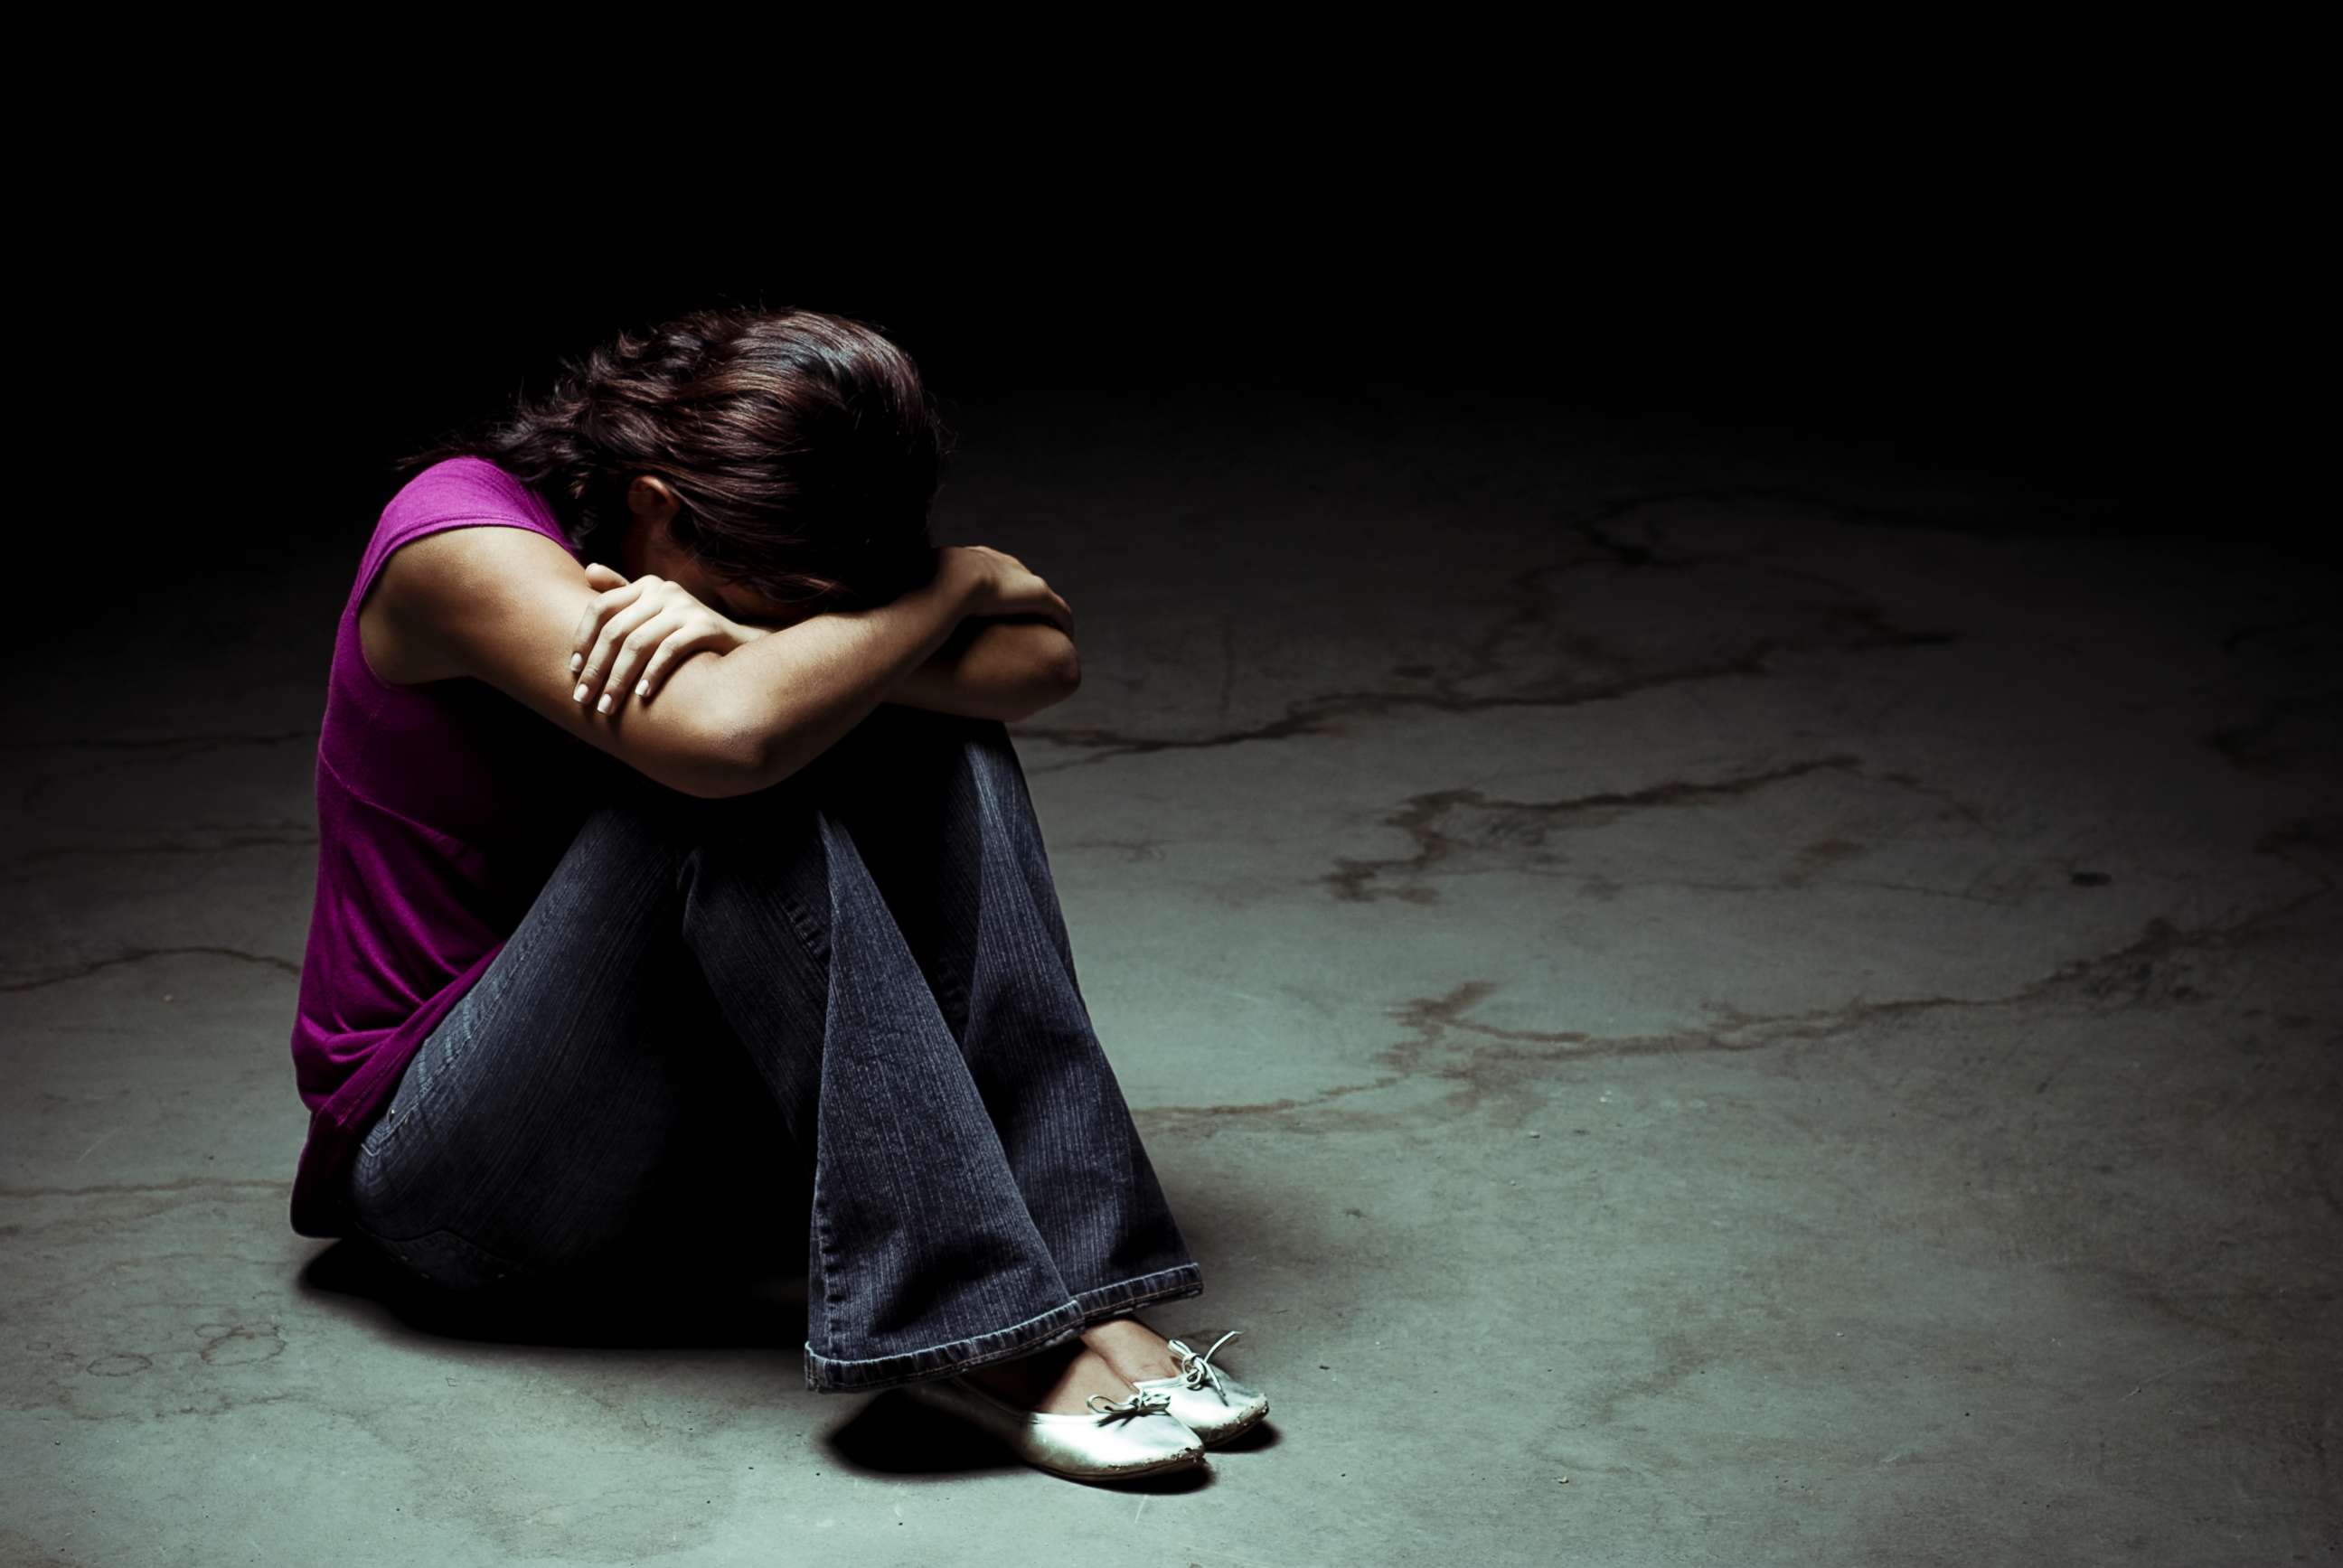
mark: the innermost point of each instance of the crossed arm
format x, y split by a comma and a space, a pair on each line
1003, 666
1007, 668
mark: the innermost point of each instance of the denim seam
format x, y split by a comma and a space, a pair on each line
829, 1258
1187, 1279
948, 1344
489, 1268
935, 1361
453, 1034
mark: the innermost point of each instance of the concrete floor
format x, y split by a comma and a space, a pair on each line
1698, 1003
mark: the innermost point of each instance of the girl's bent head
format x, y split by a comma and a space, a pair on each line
802, 451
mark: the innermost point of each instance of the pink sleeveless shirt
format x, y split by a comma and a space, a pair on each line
442, 808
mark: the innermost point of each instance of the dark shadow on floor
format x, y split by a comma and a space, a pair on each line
736, 1298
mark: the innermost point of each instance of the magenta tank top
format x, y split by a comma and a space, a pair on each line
442, 808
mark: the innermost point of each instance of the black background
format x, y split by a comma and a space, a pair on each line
2125, 337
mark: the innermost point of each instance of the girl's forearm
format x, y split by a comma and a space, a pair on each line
994, 668
798, 689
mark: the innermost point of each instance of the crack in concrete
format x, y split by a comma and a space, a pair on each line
1523, 825
142, 1188
1846, 627
38, 787
140, 955
1484, 1061
164, 742
240, 837
2259, 746
1316, 715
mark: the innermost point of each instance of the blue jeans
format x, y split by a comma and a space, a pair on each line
850, 996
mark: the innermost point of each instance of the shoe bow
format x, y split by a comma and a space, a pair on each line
1141, 1403
1197, 1371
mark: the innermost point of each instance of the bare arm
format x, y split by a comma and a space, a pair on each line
503, 605
795, 692
1009, 668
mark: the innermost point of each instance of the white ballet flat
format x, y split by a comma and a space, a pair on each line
1208, 1402
1119, 1438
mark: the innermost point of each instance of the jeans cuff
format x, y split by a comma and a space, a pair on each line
1164, 1285
826, 1374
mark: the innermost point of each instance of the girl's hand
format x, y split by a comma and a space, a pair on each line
634, 633
1005, 586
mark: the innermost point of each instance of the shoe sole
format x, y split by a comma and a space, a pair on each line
1177, 1461
950, 1403
1236, 1431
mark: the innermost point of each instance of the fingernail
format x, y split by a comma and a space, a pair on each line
603, 706
579, 694
642, 687
575, 661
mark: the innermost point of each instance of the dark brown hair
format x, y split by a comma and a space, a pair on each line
803, 447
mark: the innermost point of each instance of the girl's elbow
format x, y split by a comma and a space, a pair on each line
1060, 680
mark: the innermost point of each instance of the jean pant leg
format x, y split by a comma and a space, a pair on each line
946, 821
522, 1136
552, 1118
923, 1260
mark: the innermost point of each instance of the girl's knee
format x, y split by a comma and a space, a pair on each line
648, 821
